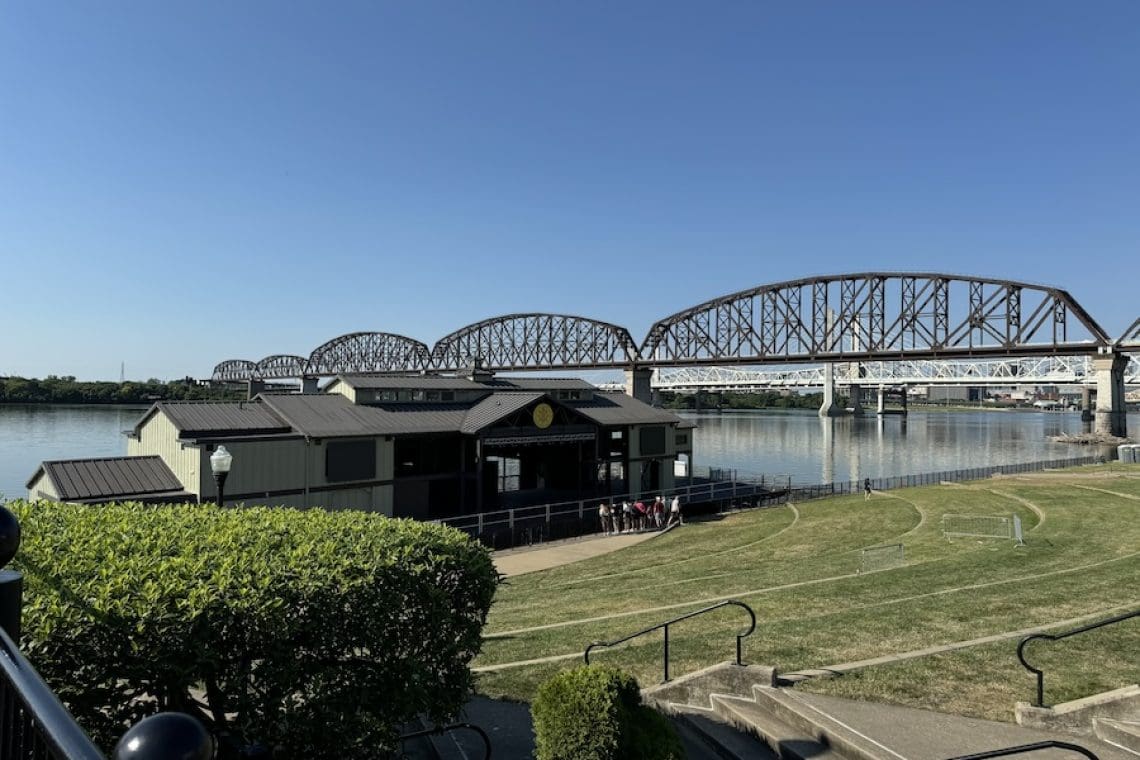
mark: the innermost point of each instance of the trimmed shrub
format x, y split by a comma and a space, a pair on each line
314, 633
595, 713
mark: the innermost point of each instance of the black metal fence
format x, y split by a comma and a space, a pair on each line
721, 490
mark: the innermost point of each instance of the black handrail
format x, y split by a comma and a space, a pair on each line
1057, 636
35, 717
456, 726
739, 637
1019, 749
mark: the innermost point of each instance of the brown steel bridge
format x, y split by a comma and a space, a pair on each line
870, 316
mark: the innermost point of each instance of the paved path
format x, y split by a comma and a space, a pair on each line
544, 556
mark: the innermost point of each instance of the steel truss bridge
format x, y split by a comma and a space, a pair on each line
1060, 370
867, 317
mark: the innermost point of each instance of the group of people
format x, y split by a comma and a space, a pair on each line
631, 518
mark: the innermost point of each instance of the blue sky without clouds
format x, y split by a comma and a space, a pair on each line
182, 183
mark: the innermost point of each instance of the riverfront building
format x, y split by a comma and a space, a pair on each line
408, 446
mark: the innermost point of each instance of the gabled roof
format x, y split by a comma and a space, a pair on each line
229, 417
320, 415
495, 407
617, 408
117, 477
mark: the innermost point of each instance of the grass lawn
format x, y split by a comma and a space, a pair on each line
798, 567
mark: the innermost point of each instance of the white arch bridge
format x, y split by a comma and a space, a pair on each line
1054, 370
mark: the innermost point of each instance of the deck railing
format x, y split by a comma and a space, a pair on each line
1057, 637
665, 626
1024, 748
722, 489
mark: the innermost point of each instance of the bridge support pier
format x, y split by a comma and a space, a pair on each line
637, 384
829, 407
1109, 371
856, 392
310, 384
1086, 404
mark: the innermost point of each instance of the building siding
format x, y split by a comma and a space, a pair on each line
42, 488
159, 436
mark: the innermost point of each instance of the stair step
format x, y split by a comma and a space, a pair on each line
784, 705
1123, 733
716, 737
785, 741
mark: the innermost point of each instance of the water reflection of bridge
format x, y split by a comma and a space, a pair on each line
851, 318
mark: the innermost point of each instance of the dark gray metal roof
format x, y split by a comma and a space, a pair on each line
319, 415
537, 383
379, 382
495, 407
617, 408
120, 477
196, 417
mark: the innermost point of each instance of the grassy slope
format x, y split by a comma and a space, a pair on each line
798, 569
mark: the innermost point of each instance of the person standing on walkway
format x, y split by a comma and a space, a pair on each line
866, 489
604, 518
675, 512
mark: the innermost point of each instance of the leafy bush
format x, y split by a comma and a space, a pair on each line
595, 713
315, 633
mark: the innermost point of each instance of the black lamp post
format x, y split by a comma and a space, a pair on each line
220, 462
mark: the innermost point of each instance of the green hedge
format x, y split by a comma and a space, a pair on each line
315, 633
595, 713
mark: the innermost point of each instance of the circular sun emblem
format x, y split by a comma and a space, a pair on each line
543, 415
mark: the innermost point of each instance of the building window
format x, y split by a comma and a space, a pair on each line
652, 440
350, 460
682, 439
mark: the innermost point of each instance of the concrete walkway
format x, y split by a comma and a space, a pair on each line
528, 559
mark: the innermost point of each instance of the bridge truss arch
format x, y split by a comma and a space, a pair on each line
280, 367
536, 341
1131, 336
875, 316
233, 370
362, 352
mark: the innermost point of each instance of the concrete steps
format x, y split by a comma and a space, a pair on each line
785, 741
1121, 733
707, 735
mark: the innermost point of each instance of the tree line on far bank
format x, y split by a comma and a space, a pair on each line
68, 390
762, 400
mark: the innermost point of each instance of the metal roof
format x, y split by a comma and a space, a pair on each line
538, 383
411, 382
617, 408
495, 407
191, 417
120, 477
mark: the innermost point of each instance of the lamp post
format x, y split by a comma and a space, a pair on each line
220, 462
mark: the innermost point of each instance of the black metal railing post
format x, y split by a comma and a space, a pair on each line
11, 581
1057, 637
739, 637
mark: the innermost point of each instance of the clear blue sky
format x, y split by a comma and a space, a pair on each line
182, 183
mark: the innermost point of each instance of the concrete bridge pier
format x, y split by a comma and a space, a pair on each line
1086, 404
856, 392
829, 407
637, 384
1109, 371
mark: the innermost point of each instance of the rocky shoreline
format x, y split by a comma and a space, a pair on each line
1090, 439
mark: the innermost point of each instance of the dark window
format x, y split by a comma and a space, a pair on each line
350, 460
652, 440
682, 438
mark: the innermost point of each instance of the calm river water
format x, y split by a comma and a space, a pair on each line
795, 443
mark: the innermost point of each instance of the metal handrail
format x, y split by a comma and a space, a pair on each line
456, 726
44, 713
1056, 636
1019, 749
739, 637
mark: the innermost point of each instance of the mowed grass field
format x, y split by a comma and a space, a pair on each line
798, 566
